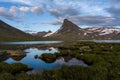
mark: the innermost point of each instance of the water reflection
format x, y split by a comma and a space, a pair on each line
71, 62
31, 42
18, 58
39, 65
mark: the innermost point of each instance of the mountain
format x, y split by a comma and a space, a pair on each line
9, 33
108, 33
70, 31
42, 34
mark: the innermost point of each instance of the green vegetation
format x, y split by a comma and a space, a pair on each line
103, 60
9, 33
13, 68
48, 57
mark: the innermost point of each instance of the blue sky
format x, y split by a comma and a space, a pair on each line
44, 15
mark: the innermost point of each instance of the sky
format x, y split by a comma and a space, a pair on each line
44, 15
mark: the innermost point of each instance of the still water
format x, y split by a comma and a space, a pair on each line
106, 41
39, 65
54, 42
31, 42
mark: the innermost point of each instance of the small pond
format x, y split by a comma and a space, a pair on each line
39, 65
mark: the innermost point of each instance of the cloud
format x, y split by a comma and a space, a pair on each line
86, 7
29, 31
55, 22
13, 10
91, 20
2, 10
8, 14
24, 9
63, 12
114, 10
84, 20
82, 12
37, 10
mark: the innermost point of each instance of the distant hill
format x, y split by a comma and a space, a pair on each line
70, 31
9, 33
42, 34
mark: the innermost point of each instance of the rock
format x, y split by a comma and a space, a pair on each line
36, 56
3, 55
2, 52
16, 53
51, 48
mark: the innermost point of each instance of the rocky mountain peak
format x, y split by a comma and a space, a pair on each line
67, 27
69, 24
70, 31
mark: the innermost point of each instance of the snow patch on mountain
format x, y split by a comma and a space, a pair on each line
85, 34
109, 31
49, 34
93, 28
102, 30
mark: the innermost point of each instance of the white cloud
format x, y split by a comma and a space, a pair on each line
13, 10
63, 12
79, 11
90, 20
24, 9
55, 22
8, 14
37, 10
2, 10
18, 12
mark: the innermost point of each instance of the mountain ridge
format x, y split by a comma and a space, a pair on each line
70, 31
9, 33
67, 30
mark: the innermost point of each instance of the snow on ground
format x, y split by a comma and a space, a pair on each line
85, 34
48, 34
103, 30
109, 31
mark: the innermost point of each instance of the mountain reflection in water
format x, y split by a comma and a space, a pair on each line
39, 65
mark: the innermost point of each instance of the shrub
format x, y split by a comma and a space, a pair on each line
47, 57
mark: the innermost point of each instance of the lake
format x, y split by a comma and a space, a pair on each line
54, 42
39, 65
31, 42
106, 41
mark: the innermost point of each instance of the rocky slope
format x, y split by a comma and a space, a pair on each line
67, 31
9, 33
70, 31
